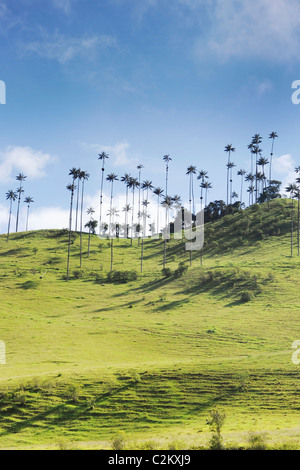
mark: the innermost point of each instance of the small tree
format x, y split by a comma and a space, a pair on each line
216, 423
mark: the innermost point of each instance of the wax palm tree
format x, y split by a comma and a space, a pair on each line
256, 150
133, 183
230, 167
250, 147
78, 178
139, 168
167, 203
207, 186
263, 162
91, 225
28, 200
125, 180
102, 157
202, 175
229, 149
297, 194
250, 178
166, 159
113, 212
251, 190
146, 186
111, 178
292, 189
272, 136
191, 170
126, 209
10, 196
71, 188
20, 177
82, 176
158, 192
241, 173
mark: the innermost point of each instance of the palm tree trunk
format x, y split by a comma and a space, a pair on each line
81, 212
77, 204
111, 254
9, 219
70, 233
18, 210
89, 243
292, 228
101, 198
27, 218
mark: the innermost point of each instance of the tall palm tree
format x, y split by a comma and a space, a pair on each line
292, 189
272, 136
20, 177
126, 209
256, 150
263, 162
202, 175
91, 225
241, 173
113, 212
79, 178
84, 176
166, 159
111, 178
28, 200
125, 180
139, 167
71, 188
191, 170
158, 192
229, 149
146, 186
10, 196
230, 167
167, 203
133, 183
250, 179
102, 156
206, 185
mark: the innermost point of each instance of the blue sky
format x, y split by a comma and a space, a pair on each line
141, 79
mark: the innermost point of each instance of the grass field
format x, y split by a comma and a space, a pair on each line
147, 360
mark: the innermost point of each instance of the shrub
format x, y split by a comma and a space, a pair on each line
257, 441
118, 442
78, 274
246, 296
122, 276
182, 268
166, 272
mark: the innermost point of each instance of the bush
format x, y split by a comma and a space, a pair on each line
246, 296
118, 442
122, 276
78, 274
182, 268
166, 272
257, 442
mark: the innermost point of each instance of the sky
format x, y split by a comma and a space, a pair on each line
140, 79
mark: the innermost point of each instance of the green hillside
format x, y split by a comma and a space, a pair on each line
150, 358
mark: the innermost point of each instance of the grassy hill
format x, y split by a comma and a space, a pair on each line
147, 360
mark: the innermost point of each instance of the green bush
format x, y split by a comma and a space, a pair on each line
246, 296
166, 272
122, 276
182, 268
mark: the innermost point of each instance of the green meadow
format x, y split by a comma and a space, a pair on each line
94, 363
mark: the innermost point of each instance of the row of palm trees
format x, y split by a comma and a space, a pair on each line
12, 196
257, 179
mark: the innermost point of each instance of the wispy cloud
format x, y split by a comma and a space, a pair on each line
284, 170
64, 5
118, 153
25, 160
243, 29
64, 49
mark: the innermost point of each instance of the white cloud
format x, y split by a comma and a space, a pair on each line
118, 153
23, 160
64, 49
283, 168
261, 28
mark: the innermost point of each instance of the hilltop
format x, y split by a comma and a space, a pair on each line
151, 356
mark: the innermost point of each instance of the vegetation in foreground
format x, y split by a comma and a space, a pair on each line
144, 360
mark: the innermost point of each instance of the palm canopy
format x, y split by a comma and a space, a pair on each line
112, 177
21, 177
202, 175
158, 191
273, 135
241, 172
229, 148
28, 200
191, 170
90, 211
125, 178
167, 158
11, 195
147, 185
102, 156
74, 172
